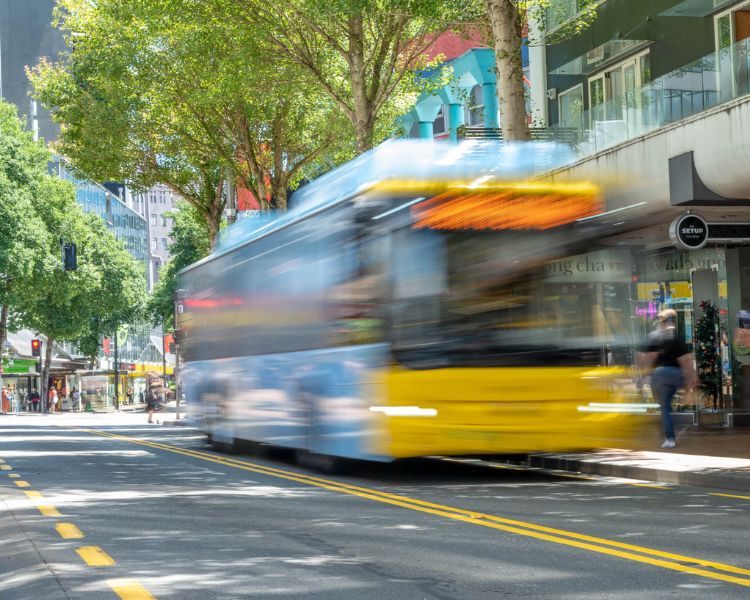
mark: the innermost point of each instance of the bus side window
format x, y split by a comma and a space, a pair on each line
355, 302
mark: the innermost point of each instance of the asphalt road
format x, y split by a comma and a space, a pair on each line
162, 516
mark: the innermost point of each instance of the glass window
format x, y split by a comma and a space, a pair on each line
571, 107
645, 68
724, 31
153, 220
154, 244
473, 113
163, 221
439, 125
163, 243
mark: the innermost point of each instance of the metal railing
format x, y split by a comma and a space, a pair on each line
702, 84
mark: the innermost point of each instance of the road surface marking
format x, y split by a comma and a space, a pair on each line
494, 522
68, 531
729, 496
33, 494
95, 556
661, 487
49, 511
6, 468
13, 475
2, 462
130, 590
575, 476
20, 483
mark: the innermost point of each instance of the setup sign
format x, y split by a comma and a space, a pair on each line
689, 232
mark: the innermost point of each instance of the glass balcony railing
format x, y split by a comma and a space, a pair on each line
707, 82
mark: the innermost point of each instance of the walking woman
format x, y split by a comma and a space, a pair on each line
151, 402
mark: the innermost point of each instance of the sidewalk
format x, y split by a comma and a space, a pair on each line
715, 457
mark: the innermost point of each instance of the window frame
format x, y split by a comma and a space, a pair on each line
613, 67
570, 90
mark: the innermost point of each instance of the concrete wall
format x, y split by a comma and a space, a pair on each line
717, 137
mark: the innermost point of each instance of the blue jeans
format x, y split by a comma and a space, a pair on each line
665, 381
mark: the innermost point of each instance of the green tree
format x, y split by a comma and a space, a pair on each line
366, 55
707, 352
148, 98
22, 233
108, 282
509, 20
191, 243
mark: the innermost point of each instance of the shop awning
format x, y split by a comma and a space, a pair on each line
600, 56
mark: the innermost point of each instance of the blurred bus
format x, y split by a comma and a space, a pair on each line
418, 301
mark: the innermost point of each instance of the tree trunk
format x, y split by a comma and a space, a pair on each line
45, 374
363, 118
507, 31
214, 226
3, 334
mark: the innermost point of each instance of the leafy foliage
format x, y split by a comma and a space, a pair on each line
706, 351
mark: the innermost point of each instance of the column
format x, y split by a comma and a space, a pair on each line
455, 120
425, 130
489, 99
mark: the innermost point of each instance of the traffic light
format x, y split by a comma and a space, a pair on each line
36, 347
70, 257
38, 367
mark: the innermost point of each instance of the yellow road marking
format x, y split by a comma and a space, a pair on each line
13, 475
6, 468
68, 531
2, 462
49, 511
96, 557
33, 494
130, 590
661, 487
575, 476
729, 496
494, 522
22, 483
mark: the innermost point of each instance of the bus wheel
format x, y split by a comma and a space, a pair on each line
323, 463
224, 447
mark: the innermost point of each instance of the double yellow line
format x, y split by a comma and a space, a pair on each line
640, 554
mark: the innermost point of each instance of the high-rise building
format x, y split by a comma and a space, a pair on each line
153, 206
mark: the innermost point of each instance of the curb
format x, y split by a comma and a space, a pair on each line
180, 423
721, 478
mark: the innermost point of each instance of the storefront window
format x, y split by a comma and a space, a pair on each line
687, 282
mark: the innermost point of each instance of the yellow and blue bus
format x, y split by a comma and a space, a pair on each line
414, 303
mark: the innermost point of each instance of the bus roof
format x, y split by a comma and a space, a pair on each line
430, 163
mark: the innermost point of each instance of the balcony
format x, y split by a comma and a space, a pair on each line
708, 82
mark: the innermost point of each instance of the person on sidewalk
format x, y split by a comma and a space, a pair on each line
52, 404
76, 398
151, 404
6, 401
34, 399
673, 368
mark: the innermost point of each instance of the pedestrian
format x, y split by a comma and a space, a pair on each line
34, 398
151, 402
140, 395
673, 368
6, 401
76, 397
52, 402
130, 395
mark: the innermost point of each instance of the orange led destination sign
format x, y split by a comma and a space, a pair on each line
514, 209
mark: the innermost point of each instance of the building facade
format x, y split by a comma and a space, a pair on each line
153, 206
654, 100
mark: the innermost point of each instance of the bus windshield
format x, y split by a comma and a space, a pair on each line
470, 299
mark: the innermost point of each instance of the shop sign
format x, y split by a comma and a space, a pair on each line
689, 232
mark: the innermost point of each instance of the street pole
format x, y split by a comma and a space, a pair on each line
116, 402
177, 391
164, 360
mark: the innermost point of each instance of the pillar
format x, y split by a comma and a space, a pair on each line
425, 130
489, 99
455, 120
